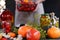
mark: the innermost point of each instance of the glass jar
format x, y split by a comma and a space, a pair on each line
45, 21
6, 21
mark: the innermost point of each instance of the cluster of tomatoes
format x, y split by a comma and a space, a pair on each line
6, 15
27, 7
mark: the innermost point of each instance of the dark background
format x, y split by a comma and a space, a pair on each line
49, 6
52, 6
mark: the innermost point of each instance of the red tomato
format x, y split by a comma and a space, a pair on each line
4, 39
33, 34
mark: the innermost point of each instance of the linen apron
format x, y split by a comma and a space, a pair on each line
25, 17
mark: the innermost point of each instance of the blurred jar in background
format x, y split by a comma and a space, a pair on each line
6, 20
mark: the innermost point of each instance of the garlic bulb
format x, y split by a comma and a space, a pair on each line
19, 37
2, 6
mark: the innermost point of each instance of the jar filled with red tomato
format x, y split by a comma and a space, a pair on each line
7, 20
